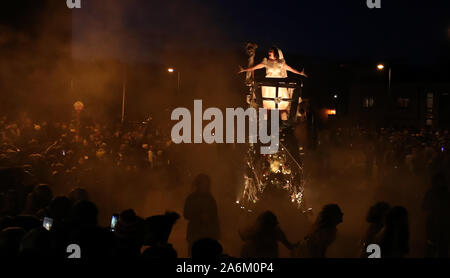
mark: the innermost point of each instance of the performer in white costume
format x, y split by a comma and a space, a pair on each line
276, 67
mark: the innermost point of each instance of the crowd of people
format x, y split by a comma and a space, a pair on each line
408, 150
36, 157
74, 220
404, 165
61, 152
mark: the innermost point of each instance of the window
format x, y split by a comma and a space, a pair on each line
368, 102
403, 102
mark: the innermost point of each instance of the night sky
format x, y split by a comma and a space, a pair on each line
415, 31
409, 31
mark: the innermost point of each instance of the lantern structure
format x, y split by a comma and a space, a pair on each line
282, 171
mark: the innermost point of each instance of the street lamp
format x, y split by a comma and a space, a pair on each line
172, 70
380, 67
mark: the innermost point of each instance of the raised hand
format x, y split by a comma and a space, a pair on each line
303, 73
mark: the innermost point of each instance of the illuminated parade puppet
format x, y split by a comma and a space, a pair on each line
283, 170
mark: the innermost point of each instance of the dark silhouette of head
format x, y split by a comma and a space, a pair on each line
60, 207
128, 216
43, 195
377, 213
330, 216
267, 221
39, 198
84, 214
397, 217
130, 226
159, 227
202, 183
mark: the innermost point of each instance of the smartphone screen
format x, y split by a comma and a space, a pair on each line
47, 223
114, 220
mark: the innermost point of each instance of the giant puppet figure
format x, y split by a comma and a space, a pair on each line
281, 171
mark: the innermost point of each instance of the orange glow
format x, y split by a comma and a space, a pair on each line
78, 106
170, 70
380, 66
331, 111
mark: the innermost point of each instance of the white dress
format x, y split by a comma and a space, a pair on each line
276, 69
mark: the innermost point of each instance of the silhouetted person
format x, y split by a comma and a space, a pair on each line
206, 248
157, 232
59, 209
39, 199
394, 238
437, 207
38, 243
96, 243
84, 214
375, 218
10, 239
261, 240
324, 233
200, 209
129, 231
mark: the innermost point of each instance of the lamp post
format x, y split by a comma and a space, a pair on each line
124, 94
172, 70
78, 107
381, 67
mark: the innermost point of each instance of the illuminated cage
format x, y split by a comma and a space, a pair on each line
282, 170
280, 93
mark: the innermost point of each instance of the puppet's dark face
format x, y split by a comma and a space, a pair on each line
251, 49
